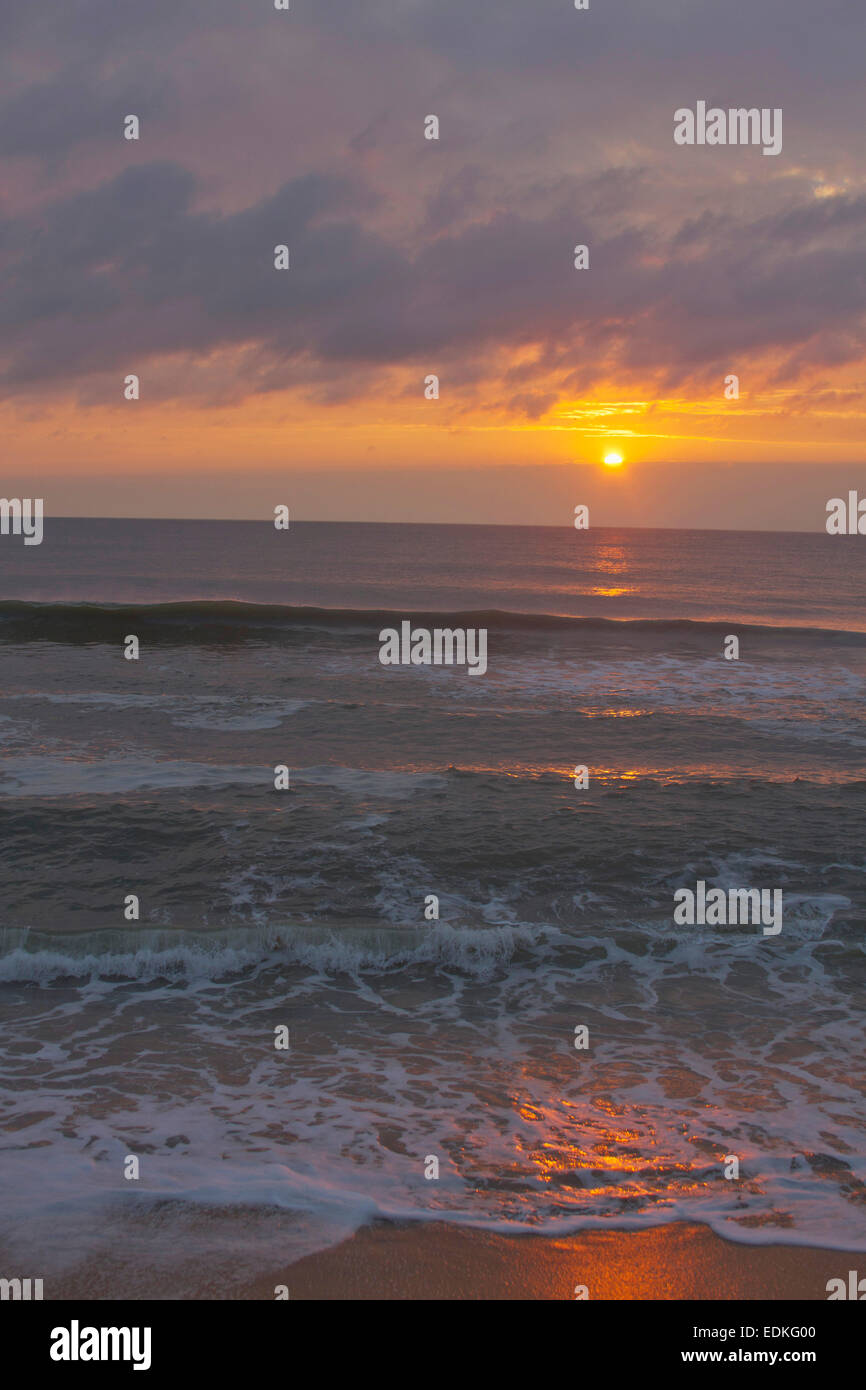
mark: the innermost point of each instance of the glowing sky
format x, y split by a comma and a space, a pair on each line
411, 257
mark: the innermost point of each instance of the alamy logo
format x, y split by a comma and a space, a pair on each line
443, 646
22, 516
20, 1289
76, 1343
856, 1288
847, 520
738, 126
738, 907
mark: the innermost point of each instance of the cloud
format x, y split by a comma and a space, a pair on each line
306, 129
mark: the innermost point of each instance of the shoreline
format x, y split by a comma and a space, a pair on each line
406, 1261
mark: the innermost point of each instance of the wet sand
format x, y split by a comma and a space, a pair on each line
679, 1261
392, 1261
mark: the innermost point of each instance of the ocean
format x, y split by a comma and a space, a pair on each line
412, 1039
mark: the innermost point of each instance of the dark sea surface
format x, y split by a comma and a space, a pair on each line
410, 1038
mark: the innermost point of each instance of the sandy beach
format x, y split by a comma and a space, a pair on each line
668, 1262
442, 1261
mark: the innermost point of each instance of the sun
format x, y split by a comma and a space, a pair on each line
613, 460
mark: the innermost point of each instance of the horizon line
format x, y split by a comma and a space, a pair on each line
487, 525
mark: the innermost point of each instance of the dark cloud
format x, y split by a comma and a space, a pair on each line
132, 270
49, 118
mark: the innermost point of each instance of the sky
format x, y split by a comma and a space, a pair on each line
412, 257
